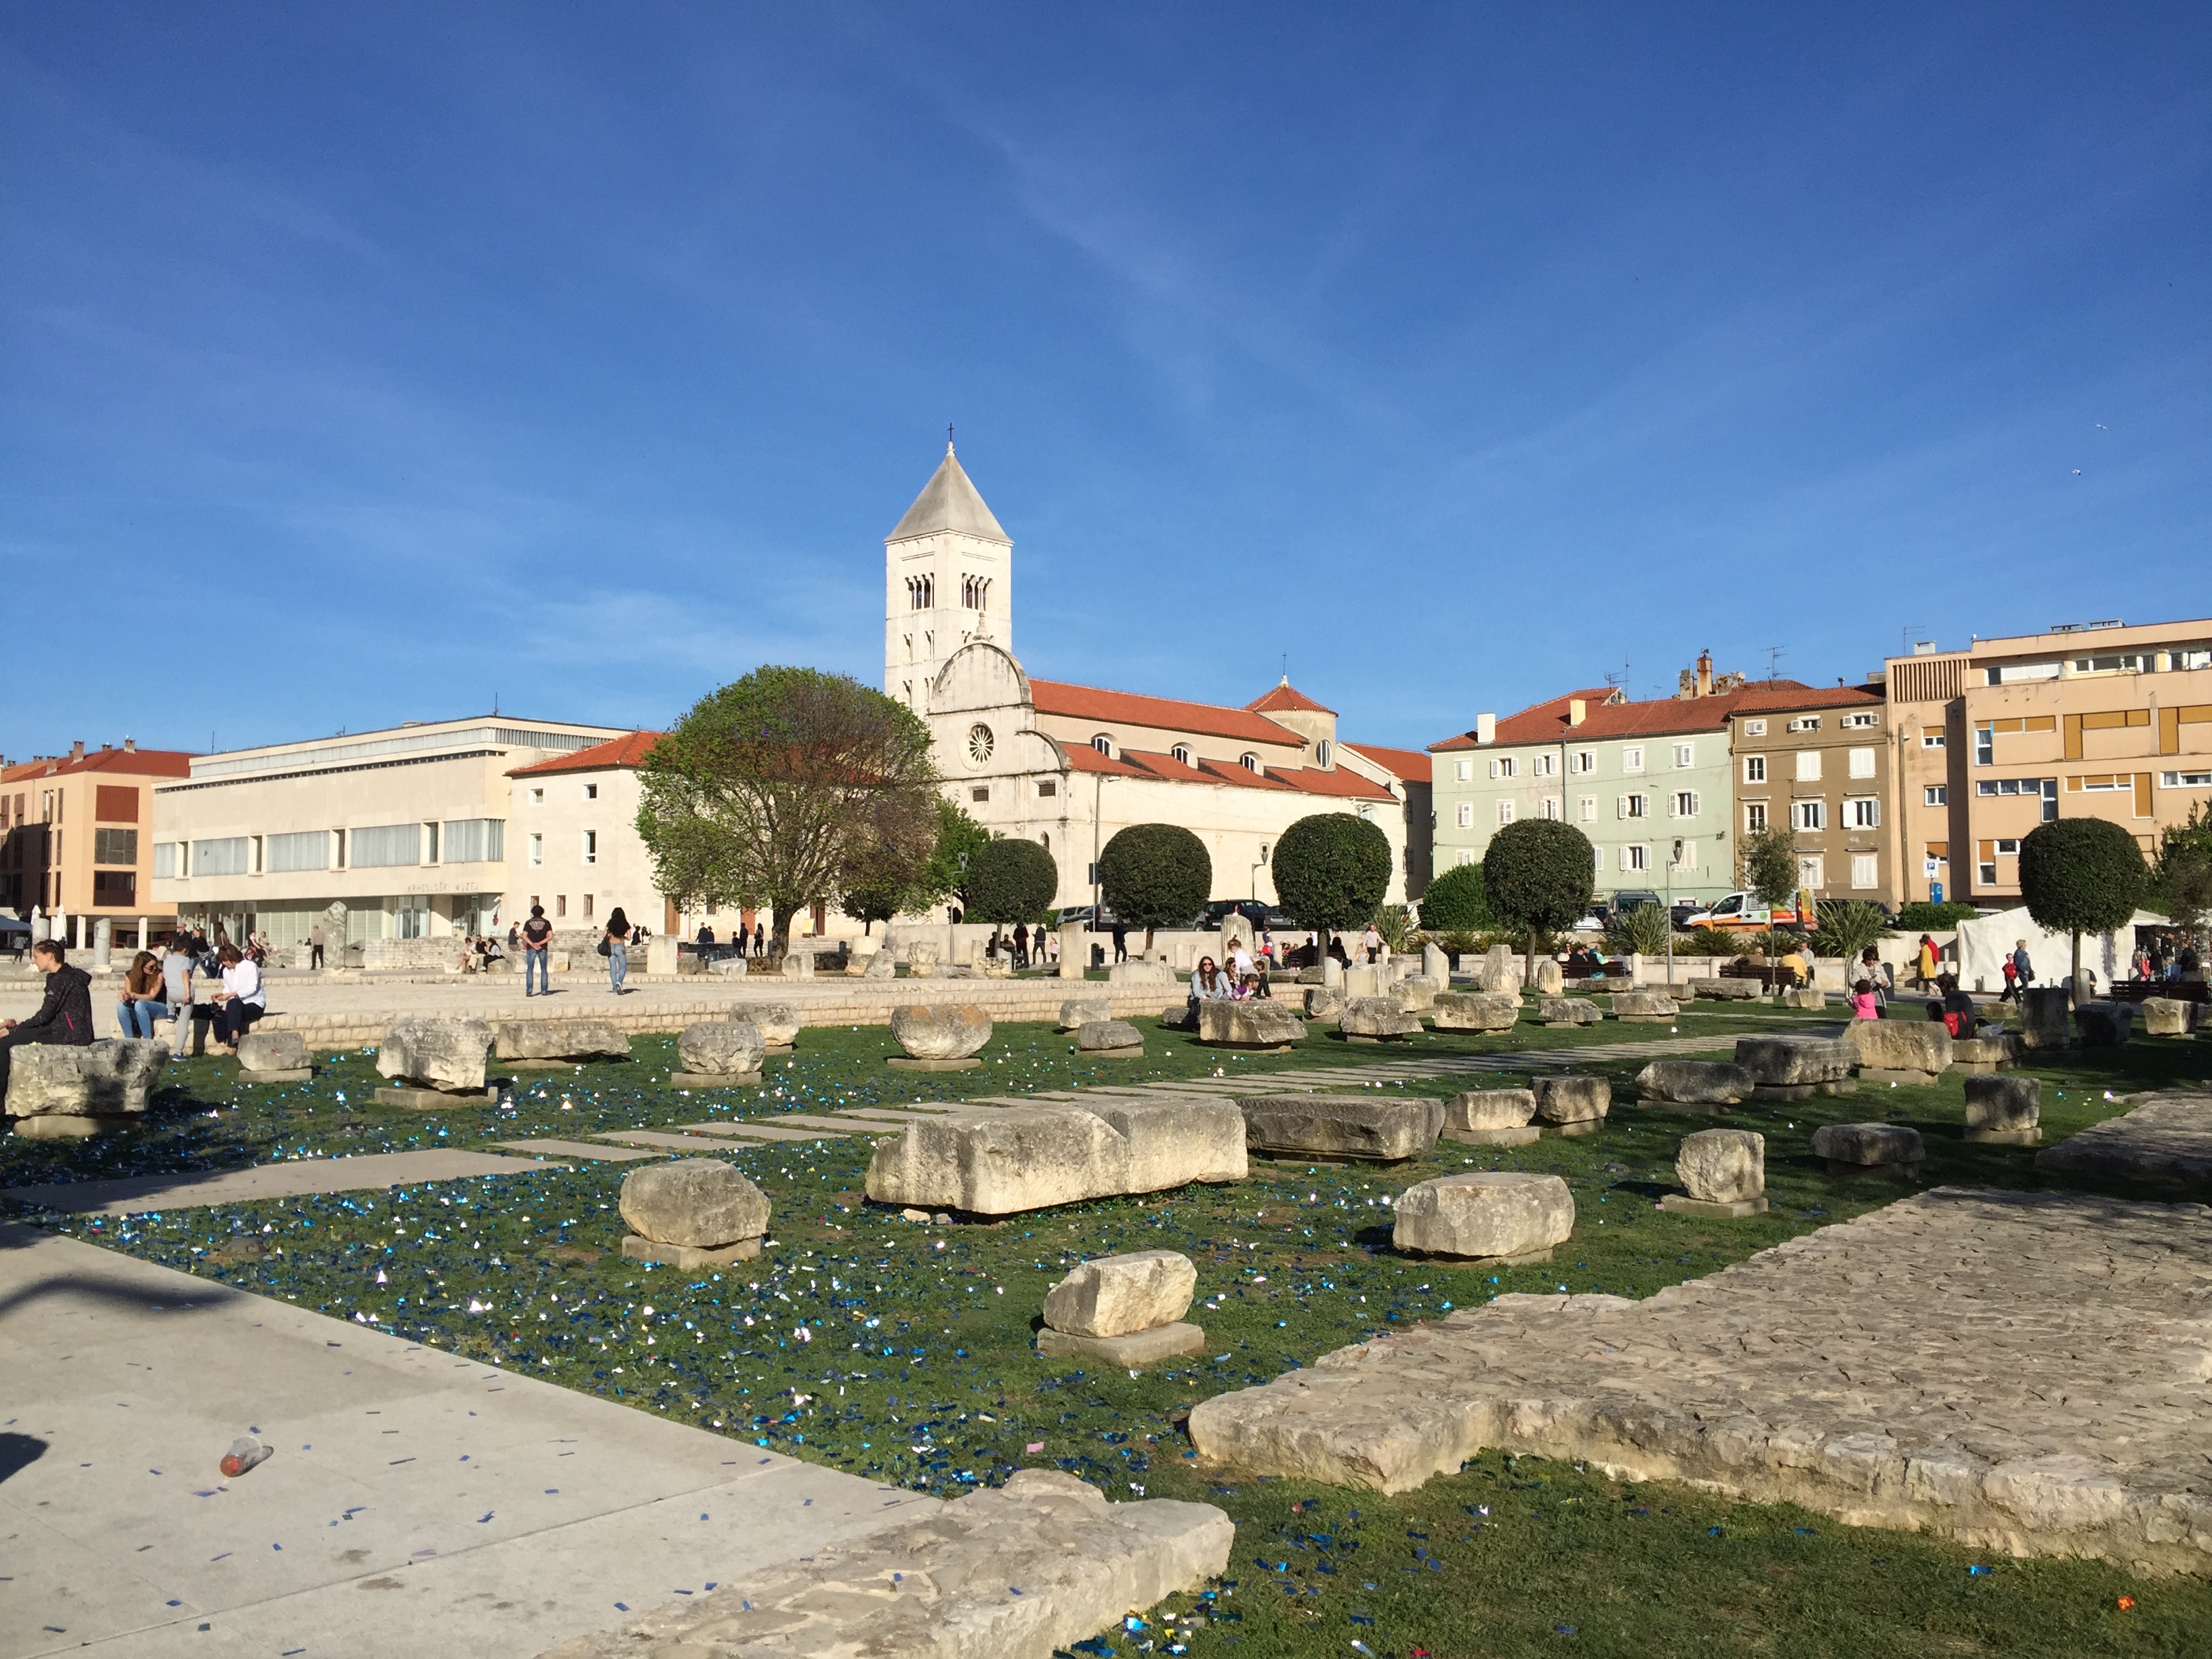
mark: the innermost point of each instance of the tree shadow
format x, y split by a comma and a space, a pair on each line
18, 1452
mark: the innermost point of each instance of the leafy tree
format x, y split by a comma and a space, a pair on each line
785, 787
2181, 876
1538, 874
959, 838
1455, 901
1155, 875
2082, 876
1331, 869
1770, 866
1011, 879
1847, 927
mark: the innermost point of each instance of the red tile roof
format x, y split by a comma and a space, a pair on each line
1410, 764
1342, 784
1166, 768
1546, 722
1762, 697
1284, 696
135, 762
1090, 702
627, 751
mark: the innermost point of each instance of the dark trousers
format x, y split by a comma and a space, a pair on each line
232, 1017
314, 955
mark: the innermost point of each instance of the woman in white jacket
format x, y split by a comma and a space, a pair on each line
242, 999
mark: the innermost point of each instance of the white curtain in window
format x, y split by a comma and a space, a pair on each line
225, 857
304, 849
475, 840
384, 845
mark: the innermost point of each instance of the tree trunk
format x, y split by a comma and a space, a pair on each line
2073, 997
1528, 965
779, 935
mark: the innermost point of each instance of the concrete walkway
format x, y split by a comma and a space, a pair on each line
417, 1503
292, 1178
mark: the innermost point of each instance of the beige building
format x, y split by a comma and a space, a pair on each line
388, 835
76, 842
1819, 763
573, 845
1069, 765
2093, 719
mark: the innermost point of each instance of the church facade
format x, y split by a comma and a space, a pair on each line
1069, 765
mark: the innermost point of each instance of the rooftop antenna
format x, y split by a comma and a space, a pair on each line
1773, 664
948, 437
1905, 638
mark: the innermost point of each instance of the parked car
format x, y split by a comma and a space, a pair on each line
1081, 913
1258, 912
1743, 912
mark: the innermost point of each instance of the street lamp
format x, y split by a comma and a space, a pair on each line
1673, 863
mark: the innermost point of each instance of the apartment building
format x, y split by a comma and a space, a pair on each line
397, 834
76, 842
2089, 720
1651, 783
1818, 762
574, 847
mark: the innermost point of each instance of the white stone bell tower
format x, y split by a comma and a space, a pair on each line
948, 579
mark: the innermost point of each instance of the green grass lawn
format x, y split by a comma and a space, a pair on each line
903, 1352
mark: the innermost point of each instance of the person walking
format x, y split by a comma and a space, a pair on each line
1121, 941
2023, 971
64, 1013
760, 937
2011, 992
242, 999
317, 938
142, 995
615, 947
1923, 965
536, 941
1021, 944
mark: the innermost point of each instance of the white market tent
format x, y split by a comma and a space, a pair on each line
1984, 942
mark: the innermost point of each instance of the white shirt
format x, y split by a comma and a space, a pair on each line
242, 979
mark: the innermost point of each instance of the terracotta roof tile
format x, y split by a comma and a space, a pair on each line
626, 751
1756, 699
1286, 696
1090, 702
1410, 764
1546, 721
135, 762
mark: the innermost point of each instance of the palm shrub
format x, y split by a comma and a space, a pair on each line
1155, 875
1847, 927
1707, 942
1331, 869
1538, 874
1399, 927
1642, 930
2082, 876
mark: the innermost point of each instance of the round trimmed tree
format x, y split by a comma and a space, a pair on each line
1331, 871
1455, 902
1538, 875
1155, 875
2082, 876
1011, 879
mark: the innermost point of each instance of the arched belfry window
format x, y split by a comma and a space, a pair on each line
1181, 752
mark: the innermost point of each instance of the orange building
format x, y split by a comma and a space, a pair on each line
2093, 720
76, 838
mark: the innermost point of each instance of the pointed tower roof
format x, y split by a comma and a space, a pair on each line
949, 502
1287, 698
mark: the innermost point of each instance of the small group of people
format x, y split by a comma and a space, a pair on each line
1242, 978
2169, 955
741, 943
479, 952
1040, 949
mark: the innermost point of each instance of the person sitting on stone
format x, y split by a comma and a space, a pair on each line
242, 999
1958, 1006
1209, 984
64, 1013
142, 996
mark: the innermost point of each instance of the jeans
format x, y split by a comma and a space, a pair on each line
535, 969
181, 1039
135, 1018
617, 963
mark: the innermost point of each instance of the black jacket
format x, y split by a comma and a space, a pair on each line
66, 1014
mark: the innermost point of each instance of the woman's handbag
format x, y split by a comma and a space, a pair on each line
607, 948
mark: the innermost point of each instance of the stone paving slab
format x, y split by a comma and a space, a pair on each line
657, 1138
417, 1502
846, 1126
2167, 1140
1014, 1573
757, 1130
579, 1149
194, 1189
2025, 1371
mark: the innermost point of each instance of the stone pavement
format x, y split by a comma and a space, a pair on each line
417, 1503
292, 1178
2167, 1140
2025, 1371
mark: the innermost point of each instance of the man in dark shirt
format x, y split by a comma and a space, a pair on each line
65, 1015
536, 939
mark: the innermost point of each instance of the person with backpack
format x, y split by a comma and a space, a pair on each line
536, 941
614, 945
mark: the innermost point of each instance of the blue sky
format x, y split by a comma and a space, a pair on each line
362, 364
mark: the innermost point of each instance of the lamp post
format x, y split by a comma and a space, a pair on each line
1674, 861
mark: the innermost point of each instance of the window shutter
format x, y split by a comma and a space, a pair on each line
1620, 804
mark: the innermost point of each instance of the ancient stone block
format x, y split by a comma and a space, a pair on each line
1896, 1046
1377, 1018
1387, 1126
923, 958
1179, 1016
2045, 1016
881, 964
1131, 1352
1115, 1295
1108, 1036
1490, 1109
1254, 1024
1572, 1098
559, 1039
949, 1033
1795, 1062
1366, 979
1722, 1166
1868, 1148
1551, 978
2168, 1017
273, 1051
720, 1048
1644, 1005
1001, 1161
2104, 1024
1140, 972
1435, 965
1081, 1010
1500, 973
110, 1078
1416, 993
777, 1023
1695, 1082
1324, 1002
695, 1202
436, 1053
1804, 996
1475, 1011
1727, 990
1488, 1215
1985, 1054
1567, 1011
2007, 1108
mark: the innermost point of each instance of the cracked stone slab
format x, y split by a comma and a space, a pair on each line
2024, 1371
1012, 1573
2168, 1137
